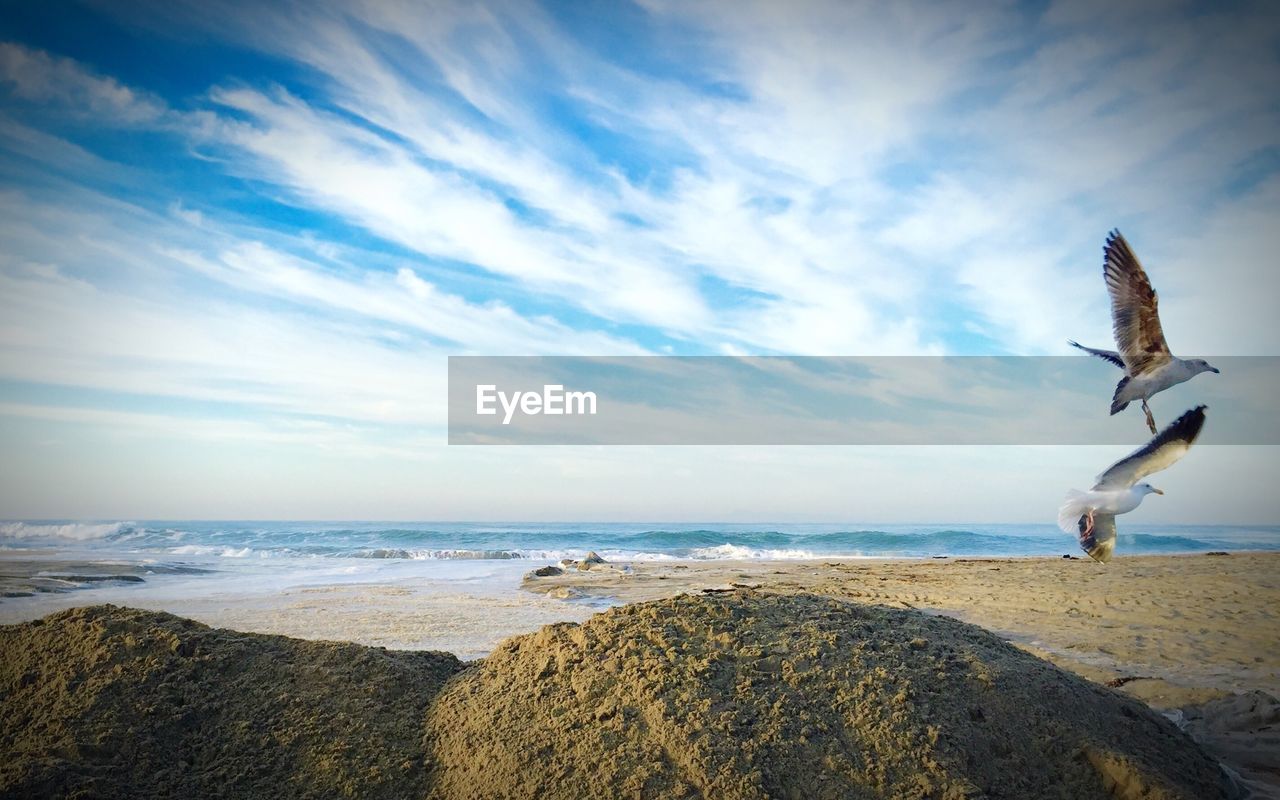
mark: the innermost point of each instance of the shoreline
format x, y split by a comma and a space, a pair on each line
1189, 626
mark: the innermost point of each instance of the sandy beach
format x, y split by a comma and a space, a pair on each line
461, 608
1176, 629
737, 694
1198, 625
1194, 637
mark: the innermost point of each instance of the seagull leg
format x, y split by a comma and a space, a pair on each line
1151, 421
1088, 526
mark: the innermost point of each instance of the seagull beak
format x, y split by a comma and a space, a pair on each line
1157, 491
1215, 370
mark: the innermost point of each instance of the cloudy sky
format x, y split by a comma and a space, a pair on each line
241, 239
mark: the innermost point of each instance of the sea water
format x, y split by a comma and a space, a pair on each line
312, 543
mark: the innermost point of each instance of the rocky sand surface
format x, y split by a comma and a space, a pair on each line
115, 702
731, 695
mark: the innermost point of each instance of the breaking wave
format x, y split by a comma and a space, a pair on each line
614, 541
69, 531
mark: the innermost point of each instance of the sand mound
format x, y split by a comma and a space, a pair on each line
754, 696
729, 696
115, 702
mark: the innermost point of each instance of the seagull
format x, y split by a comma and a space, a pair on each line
1144, 355
1092, 514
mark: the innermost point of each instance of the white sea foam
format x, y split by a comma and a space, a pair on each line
448, 555
737, 552
622, 555
213, 550
724, 552
71, 531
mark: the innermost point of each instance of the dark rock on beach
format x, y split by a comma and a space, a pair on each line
24, 577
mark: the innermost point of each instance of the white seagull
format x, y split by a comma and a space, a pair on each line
1149, 367
1092, 514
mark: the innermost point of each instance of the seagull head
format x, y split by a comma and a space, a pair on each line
1149, 489
1200, 365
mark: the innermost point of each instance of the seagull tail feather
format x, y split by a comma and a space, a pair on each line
1117, 403
1099, 550
1074, 506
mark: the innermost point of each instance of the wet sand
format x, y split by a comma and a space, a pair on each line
419, 607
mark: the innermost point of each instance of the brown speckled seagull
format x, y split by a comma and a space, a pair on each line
1149, 367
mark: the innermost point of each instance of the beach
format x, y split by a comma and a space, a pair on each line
650, 400
1195, 637
461, 607
1188, 625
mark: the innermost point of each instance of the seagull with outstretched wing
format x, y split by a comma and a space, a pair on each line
1092, 514
1143, 353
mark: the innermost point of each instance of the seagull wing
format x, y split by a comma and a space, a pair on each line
1105, 355
1100, 541
1135, 317
1165, 447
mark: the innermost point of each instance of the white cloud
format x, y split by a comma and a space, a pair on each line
861, 179
344, 168
432, 186
142, 326
35, 76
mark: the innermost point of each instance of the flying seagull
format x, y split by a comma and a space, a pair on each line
1092, 514
1144, 355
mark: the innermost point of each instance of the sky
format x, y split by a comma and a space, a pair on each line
240, 240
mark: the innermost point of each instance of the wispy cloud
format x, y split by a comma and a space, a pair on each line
35, 76
360, 189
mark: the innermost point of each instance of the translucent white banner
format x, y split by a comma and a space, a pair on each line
717, 400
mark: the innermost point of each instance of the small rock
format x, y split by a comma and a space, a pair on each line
547, 572
593, 558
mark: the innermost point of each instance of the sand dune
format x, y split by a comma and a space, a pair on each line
741, 695
755, 696
115, 702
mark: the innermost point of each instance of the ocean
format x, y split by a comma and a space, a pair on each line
313, 542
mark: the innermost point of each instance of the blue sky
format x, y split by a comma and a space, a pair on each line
241, 239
